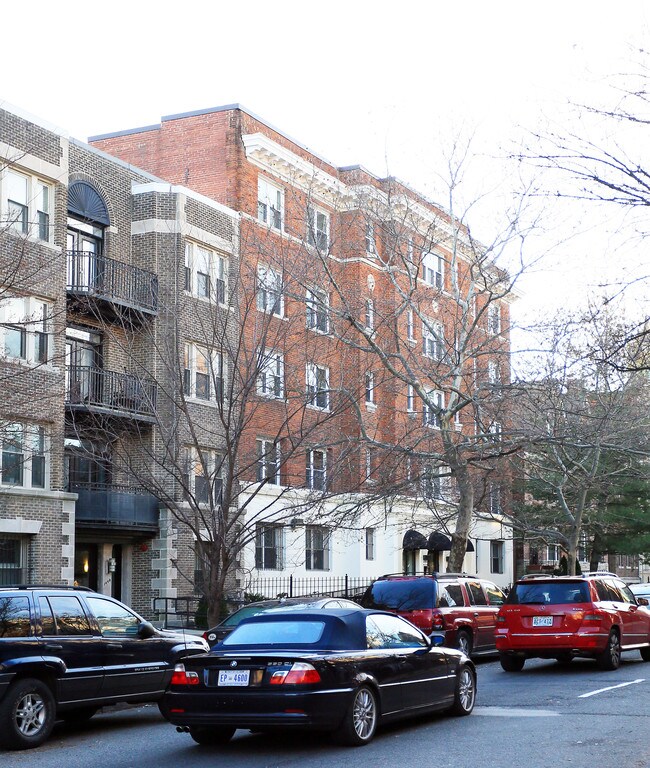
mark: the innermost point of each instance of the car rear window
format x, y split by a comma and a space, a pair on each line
276, 633
549, 593
14, 617
401, 595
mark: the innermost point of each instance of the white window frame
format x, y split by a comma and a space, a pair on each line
368, 478
317, 305
318, 542
370, 241
436, 483
31, 319
431, 415
270, 381
494, 373
275, 547
410, 325
31, 215
495, 503
194, 469
370, 543
370, 388
194, 355
316, 376
318, 228
269, 461
494, 319
203, 261
270, 204
270, 298
433, 270
369, 317
433, 340
316, 469
410, 398
28, 443
495, 431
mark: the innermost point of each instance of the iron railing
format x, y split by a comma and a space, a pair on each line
307, 586
91, 386
105, 278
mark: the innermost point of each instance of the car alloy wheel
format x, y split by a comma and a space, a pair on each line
26, 715
465, 694
464, 642
610, 658
360, 721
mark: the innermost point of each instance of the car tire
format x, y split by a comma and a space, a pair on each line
610, 658
511, 662
27, 714
645, 653
212, 736
361, 719
464, 642
465, 693
79, 715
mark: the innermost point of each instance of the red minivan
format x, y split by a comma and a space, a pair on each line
461, 607
561, 617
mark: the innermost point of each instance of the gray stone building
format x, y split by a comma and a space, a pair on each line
109, 278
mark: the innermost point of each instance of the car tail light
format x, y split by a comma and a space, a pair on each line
591, 617
501, 619
299, 674
437, 620
182, 677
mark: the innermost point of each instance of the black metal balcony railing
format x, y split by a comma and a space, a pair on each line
95, 387
92, 275
115, 505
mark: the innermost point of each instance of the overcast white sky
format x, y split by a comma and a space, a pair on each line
384, 84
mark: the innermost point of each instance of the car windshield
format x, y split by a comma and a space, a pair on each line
267, 633
549, 593
244, 613
401, 595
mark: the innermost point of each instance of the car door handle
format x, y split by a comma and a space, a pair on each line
53, 647
476, 613
113, 646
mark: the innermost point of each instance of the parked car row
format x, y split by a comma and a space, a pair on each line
322, 664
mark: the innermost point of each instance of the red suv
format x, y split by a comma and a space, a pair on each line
461, 607
560, 617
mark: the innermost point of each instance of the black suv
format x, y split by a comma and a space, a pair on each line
66, 652
460, 607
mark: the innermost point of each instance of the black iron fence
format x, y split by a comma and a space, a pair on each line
90, 274
90, 386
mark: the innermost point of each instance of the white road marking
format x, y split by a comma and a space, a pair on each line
611, 688
513, 712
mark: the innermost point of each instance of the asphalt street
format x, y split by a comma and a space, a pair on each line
547, 716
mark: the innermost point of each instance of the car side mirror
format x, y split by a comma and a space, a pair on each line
436, 640
146, 629
643, 601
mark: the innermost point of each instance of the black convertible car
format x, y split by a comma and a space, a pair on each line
342, 671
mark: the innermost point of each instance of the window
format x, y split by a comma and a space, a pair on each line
368, 468
270, 382
494, 373
370, 543
23, 455
202, 373
476, 594
268, 461
269, 547
494, 319
371, 245
201, 479
410, 325
436, 482
494, 499
13, 557
495, 432
69, 616
317, 310
433, 270
393, 632
26, 204
270, 203
269, 291
206, 273
410, 398
318, 228
114, 620
553, 552
317, 548
25, 328
432, 408
370, 314
370, 388
433, 341
316, 470
14, 614
318, 384
496, 556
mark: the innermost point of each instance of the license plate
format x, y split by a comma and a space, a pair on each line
542, 621
233, 677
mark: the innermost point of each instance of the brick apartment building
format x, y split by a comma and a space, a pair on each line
137, 308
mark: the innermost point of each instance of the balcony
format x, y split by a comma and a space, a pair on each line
118, 290
102, 505
110, 394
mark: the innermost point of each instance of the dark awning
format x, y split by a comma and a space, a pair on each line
438, 542
414, 540
470, 546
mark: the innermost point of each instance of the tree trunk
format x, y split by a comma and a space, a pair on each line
463, 521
